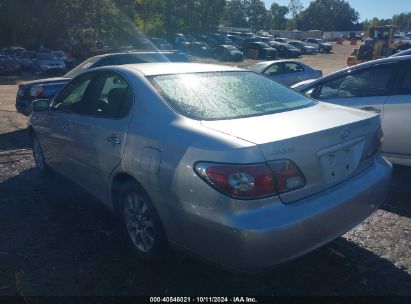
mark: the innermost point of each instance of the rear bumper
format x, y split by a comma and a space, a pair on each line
256, 239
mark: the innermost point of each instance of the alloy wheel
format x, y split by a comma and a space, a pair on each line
139, 222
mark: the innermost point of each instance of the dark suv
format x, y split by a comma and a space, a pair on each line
259, 50
48, 88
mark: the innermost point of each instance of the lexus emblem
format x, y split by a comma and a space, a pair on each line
345, 133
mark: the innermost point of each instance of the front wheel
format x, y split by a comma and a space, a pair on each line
141, 223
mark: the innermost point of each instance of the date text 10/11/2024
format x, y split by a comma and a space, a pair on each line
203, 300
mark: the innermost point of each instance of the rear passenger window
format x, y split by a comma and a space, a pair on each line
367, 82
112, 96
73, 97
292, 68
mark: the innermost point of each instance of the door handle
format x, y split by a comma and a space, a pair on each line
114, 139
371, 109
67, 127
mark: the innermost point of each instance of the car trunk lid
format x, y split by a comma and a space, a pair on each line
328, 143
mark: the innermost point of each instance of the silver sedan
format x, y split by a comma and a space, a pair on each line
218, 161
287, 72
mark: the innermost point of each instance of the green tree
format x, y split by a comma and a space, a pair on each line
403, 20
328, 15
295, 7
256, 14
235, 13
277, 15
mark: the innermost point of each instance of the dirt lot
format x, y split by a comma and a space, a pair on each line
57, 240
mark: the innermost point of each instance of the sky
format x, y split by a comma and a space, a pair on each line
367, 9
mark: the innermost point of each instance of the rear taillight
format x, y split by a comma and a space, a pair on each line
251, 181
376, 143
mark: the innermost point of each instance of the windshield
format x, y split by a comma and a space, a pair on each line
264, 45
84, 66
258, 67
230, 47
59, 54
46, 56
226, 95
291, 47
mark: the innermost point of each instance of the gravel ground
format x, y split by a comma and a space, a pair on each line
57, 240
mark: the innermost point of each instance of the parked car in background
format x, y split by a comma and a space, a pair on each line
68, 61
9, 65
261, 49
304, 48
285, 50
380, 86
26, 60
281, 40
239, 193
47, 88
237, 39
287, 72
201, 49
318, 44
162, 44
45, 63
209, 40
228, 53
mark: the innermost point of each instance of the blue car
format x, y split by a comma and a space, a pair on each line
49, 87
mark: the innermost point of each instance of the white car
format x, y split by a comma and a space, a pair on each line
382, 86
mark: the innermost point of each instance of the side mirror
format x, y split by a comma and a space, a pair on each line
41, 105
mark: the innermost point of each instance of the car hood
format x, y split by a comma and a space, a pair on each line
325, 44
290, 124
309, 47
46, 81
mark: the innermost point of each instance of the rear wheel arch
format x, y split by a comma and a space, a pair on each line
122, 185
118, 184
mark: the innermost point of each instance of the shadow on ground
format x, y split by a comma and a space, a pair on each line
15, 140
56, 239
400, 192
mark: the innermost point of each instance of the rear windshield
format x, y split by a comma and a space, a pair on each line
226, 95
46, 56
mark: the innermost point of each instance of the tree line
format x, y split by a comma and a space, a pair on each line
56, 22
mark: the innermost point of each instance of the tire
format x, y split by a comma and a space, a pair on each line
38, 155
141, 224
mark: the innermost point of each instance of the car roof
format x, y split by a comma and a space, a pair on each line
165, 68
402, 53
135, 53
267, 63
359, 66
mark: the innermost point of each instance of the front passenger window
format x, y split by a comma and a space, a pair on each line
374, 81
273, 70
72, 97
